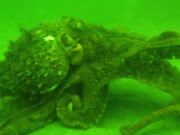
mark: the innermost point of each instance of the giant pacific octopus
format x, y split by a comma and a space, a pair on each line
61, 71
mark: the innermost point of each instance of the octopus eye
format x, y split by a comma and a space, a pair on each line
73, 49
67, 40
77, 24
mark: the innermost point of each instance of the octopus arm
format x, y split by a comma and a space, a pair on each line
171, 110
83, 105
164, 46
157, 73
28, 119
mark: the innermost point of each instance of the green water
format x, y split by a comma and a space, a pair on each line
129, 100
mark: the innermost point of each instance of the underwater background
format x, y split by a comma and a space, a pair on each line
129, 100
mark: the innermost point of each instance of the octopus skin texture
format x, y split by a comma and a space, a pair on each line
69, 64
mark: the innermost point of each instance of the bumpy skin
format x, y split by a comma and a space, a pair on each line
96, 57
35, 63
